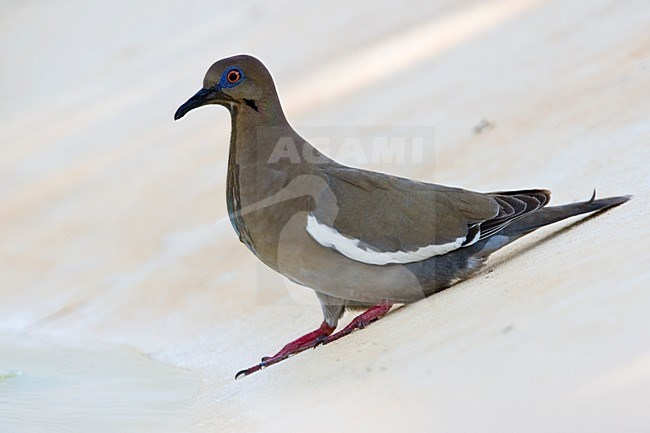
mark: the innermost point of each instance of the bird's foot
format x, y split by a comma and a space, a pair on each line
305, 342
322, 335
361, 321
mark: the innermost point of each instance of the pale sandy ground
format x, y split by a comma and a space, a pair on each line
113, 230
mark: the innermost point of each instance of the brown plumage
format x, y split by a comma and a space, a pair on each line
357, 238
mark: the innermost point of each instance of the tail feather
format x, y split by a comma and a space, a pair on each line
552, 214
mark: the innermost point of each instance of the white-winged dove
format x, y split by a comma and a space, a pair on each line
359, 239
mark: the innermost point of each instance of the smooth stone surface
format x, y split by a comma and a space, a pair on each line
57, 387
113, 227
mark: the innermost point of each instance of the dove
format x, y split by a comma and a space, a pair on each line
362, 240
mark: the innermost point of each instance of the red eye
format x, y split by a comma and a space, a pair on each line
233, 76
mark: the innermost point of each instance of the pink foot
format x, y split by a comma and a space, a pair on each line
322, 335
361, 321
305, 342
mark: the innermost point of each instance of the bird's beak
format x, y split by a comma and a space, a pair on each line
213, 95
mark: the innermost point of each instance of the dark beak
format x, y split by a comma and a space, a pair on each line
213, 95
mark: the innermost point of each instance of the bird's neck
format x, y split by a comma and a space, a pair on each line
261, 162
253, 137
273, 176
265, 152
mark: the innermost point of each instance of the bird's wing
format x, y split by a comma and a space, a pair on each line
380, 219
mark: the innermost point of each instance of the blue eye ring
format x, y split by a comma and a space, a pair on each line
232, 77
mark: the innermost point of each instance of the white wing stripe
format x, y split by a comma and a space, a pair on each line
477, 236
349, 247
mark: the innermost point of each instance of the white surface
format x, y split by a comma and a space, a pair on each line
113, 219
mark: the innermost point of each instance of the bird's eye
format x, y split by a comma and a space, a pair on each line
233, 76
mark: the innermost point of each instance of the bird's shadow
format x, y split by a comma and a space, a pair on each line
503, 258
525, 248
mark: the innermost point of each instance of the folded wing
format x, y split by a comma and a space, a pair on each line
379, 219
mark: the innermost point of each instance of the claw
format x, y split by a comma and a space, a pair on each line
248, 371
320, 341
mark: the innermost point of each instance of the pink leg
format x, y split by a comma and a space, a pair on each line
305, 342
322, 335
361, 321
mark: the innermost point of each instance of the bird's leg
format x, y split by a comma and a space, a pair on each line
361, 321
322, 335
307, 341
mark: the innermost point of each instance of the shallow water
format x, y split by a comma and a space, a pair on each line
48, 387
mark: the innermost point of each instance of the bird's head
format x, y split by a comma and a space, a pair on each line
239, 81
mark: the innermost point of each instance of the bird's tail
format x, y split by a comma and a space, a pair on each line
552, 214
